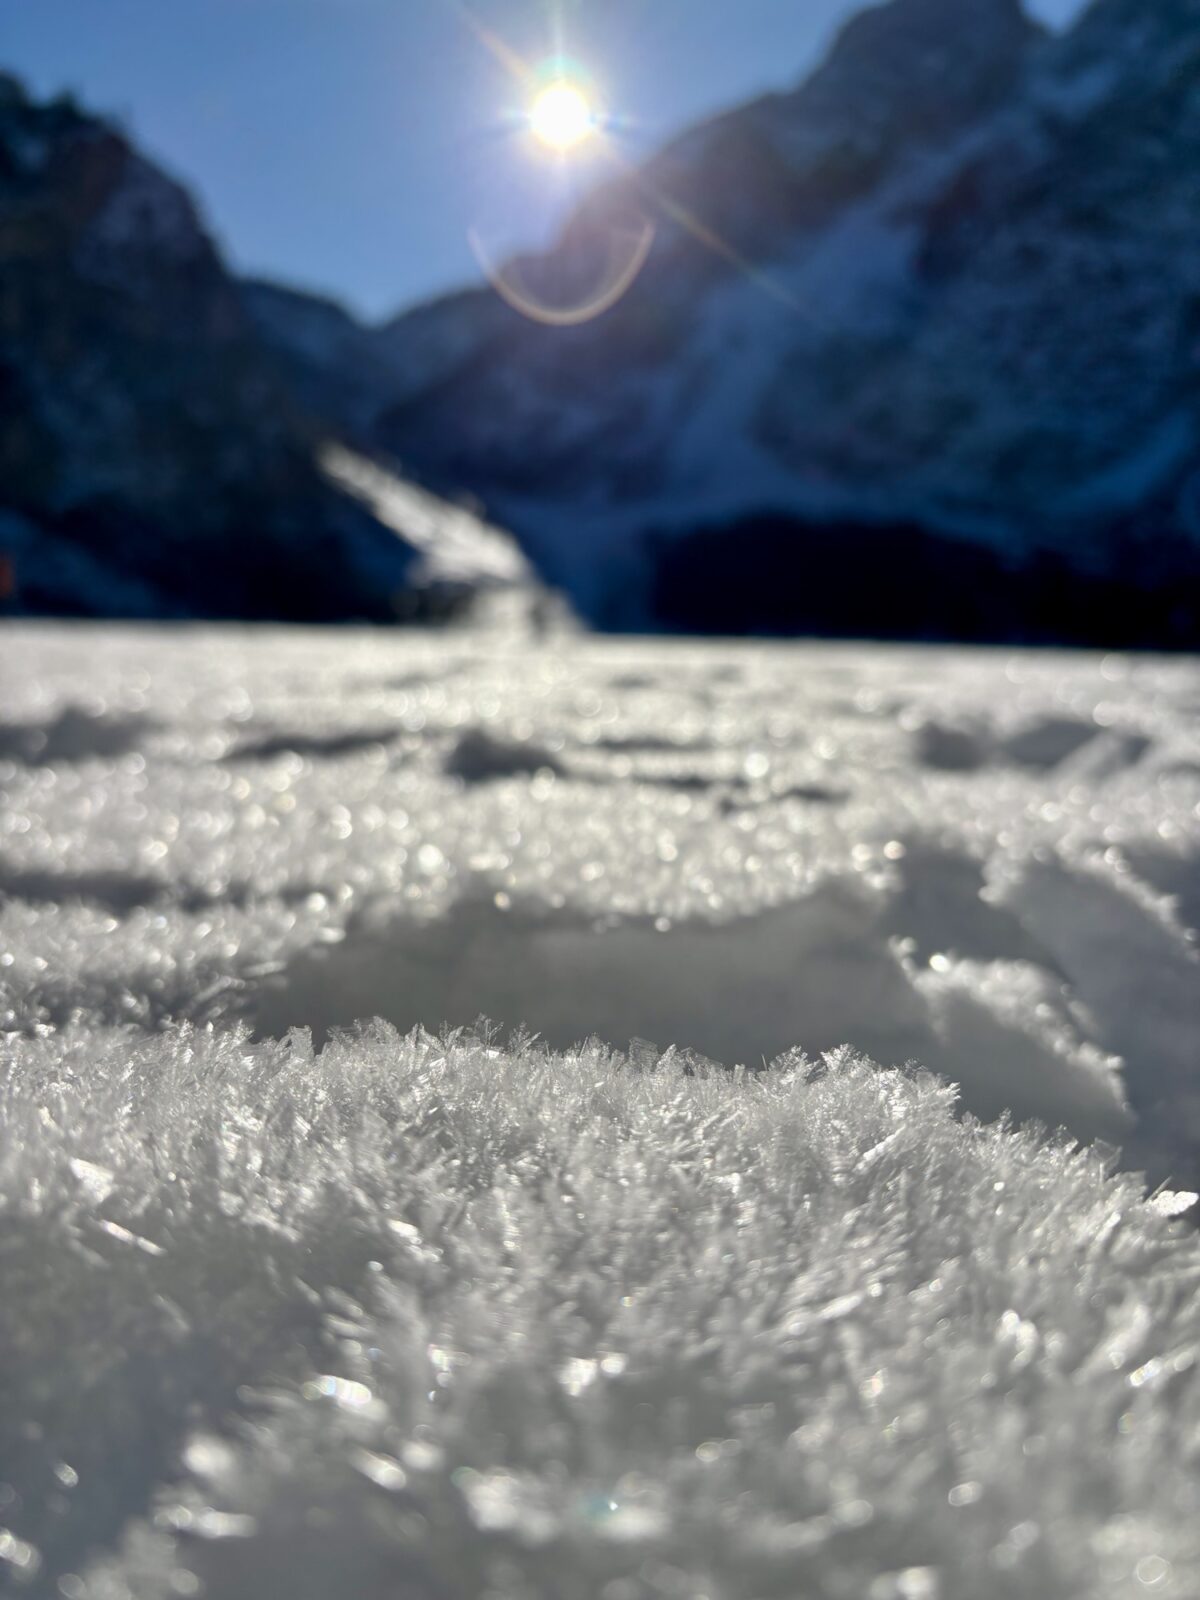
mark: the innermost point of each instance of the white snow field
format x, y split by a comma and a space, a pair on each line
296, 1302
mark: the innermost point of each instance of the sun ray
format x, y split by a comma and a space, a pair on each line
513, 63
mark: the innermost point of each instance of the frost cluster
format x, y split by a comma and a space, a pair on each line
434, 1317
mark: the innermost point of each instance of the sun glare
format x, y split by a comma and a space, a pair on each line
561, 116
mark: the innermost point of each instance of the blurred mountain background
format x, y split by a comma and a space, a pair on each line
915, 352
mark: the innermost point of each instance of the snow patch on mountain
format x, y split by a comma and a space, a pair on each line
455, 546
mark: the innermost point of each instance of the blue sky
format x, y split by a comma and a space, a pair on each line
351, 145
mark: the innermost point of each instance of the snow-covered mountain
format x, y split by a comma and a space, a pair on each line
934, 317
157, 458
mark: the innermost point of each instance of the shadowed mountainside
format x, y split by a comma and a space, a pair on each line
156, 456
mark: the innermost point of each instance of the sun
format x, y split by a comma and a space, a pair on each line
561, 116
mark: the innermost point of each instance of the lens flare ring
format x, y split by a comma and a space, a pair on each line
627, 257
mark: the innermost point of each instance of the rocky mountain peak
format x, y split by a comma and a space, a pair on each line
919, 68
899, 78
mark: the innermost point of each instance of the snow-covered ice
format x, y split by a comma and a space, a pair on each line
453, 1312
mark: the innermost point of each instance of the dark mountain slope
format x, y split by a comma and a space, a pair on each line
153, 457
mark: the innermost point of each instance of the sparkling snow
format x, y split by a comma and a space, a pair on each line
455, 1312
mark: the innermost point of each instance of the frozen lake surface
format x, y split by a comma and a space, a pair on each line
469, 1313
